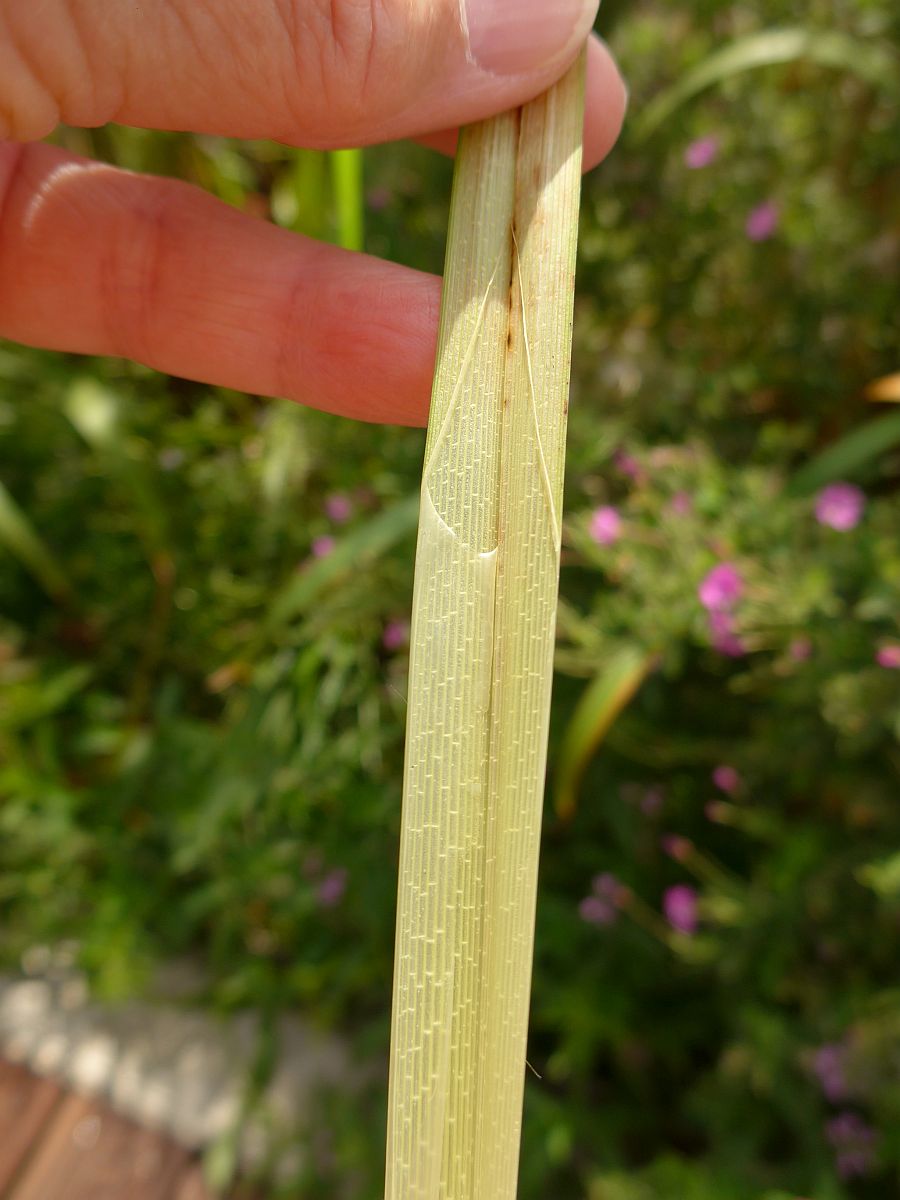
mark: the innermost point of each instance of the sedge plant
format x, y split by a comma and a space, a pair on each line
481, 656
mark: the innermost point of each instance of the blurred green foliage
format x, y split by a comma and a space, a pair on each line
201, 715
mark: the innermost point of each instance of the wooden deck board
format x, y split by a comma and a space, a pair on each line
58, 1146
89, 1153
26, 1104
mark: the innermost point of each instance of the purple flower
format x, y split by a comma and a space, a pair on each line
828, 1066
378, 199
889, 656
854, 1143
721, 588
597, 911
702, 152
840, 506
652, 801
724, 638
726, 779
681, 504
606, 525
605, 884
332, 887
680, 907
762, 222
676, 846
339, 507
627, 464
800, 649
323, 546
396, 635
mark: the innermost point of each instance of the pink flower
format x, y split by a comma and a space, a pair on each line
597, 911
702, 152
800, 649
339, 507
889, 656
681, 504
378, 199
840, 506
323, 546
627, 464
332, 887
396, 635
607, 886
724, 638
680, 907
828, 1064
762, 222
726, 779
854, 1143
652, 801
606, 525
676, 846
721, 588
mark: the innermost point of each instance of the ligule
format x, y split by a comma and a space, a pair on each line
484, 609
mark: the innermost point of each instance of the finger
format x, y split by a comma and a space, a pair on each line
101, 261
606, 101
309, 72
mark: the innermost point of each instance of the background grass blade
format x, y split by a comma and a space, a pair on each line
601, 703
871, 61
23, 541
347, 182
355, 551
855, 452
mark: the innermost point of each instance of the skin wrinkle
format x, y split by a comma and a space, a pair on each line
72, 107
286, 11
294, 314
19, 123
128, 311
353, 72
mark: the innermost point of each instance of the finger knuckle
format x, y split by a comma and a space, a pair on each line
349, 39
28, 110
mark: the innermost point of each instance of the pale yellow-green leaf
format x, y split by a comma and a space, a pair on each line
601, 703
487, 568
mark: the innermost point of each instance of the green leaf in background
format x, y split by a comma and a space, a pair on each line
882, 877
347, 182
97, 413
602, 702
855, 451
869, 60
354, 552
22, 540
33, 700
320, 193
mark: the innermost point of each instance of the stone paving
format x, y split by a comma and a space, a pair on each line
164, 1065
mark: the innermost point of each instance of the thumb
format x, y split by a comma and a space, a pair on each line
310, 72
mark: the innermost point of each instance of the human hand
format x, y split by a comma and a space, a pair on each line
101, 261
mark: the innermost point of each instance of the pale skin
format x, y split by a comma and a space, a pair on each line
97, 260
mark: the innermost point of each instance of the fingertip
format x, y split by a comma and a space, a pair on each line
606, 101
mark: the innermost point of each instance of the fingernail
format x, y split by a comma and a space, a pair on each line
511, 37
